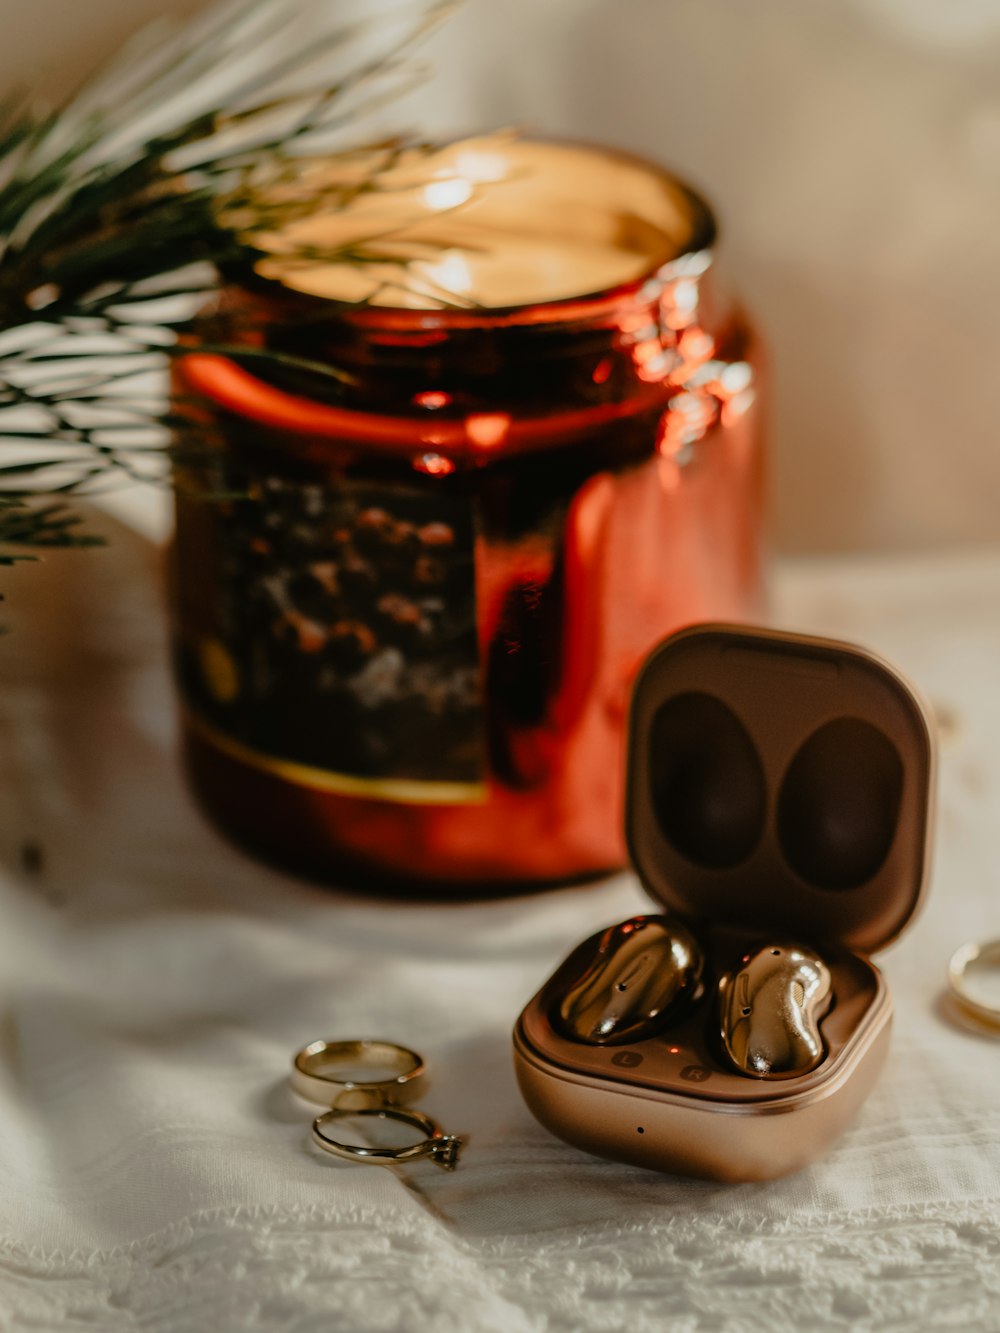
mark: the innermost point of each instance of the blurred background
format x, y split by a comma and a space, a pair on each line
851, 149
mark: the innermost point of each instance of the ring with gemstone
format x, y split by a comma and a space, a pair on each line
441, 1148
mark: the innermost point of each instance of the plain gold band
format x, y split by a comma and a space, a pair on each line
344, 1094
441, 1148
984, 1014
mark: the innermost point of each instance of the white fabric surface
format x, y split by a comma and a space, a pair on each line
154, 981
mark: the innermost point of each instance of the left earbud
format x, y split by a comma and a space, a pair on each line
632, 979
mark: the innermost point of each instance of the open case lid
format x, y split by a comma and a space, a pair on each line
781, 782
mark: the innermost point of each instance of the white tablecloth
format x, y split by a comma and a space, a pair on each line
155, 1171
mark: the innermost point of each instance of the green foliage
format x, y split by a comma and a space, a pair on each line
113, 213
43, 525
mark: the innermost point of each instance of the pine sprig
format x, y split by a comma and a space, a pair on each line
117, 208
47, 525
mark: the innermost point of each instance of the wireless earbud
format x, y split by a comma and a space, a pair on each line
630, 981
770, 1009
633, 978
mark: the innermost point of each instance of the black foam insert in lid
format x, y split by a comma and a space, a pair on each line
780, 781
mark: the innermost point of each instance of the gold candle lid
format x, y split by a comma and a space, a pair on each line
496, 221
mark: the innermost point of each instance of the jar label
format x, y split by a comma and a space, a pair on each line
327, 633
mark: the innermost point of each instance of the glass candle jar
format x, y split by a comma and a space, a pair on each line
407, 628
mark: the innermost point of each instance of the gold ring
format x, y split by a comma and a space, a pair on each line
441, 1148
964, 963
332, 1073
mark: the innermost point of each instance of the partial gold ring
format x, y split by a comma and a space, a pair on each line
965, 961
441, 1148
332, 1073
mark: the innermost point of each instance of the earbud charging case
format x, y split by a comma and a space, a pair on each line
780, 788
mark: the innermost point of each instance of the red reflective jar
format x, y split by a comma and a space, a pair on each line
405, 645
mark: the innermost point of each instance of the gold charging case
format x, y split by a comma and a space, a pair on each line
779, 788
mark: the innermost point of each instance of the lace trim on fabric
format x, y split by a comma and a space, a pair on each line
312, 1270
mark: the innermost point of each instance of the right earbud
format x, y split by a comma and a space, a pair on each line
632, 979
770, 1009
